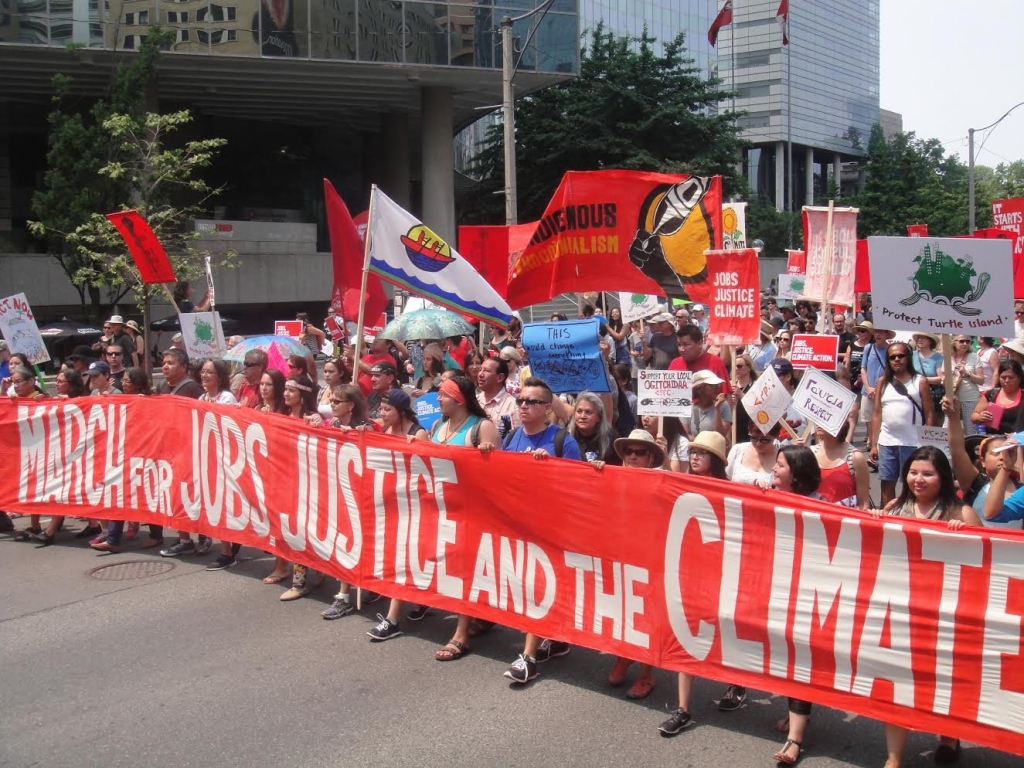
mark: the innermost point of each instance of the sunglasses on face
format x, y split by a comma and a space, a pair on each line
335, 401
636, 452
521, 401
115, 354
257, 365
967, 341
763, 439
898, 356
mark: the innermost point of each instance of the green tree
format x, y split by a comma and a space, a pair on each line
628, 108
1009, 180
773, 227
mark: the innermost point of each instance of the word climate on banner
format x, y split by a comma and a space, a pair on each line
815, 350
942, 285
824, 401
637, 306
566, 355
735, 298
18, 325
831, 267
767, 401
900, 620
664, 393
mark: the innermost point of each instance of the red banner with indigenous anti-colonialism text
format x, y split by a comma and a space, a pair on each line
899, 620
491, 250
735, 302
144, 246
625, 231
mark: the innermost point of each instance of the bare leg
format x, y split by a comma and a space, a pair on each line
394, 611
280, 571
685, 687
895, 743
888, 491
531, 645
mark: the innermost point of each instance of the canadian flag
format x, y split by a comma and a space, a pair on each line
783, 18
723, 19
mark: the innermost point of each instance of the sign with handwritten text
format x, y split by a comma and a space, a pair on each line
824, 401
18, 326
664, 393
566, 355
767, 401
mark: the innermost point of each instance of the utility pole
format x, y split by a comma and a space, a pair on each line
970, 163
509, 119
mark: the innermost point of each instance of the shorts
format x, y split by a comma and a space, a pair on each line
891, 459
867, 409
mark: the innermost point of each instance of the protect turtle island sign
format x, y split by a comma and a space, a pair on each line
942, 285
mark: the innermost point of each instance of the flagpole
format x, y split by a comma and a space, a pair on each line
357, 345
789, 128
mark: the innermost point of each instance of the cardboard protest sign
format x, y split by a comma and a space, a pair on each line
428, 410
150, 257
815, 350
202, 334
18, 325
637, 306
767, 401
291, 328
942, 285
664, 393
734, 225
824, 401
735, 316
831, 267
935, 436
791, 286
566, 355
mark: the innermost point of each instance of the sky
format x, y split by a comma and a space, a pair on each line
950, 65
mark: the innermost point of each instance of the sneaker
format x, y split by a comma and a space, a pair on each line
222, 562
550, 649
97, 539
338, 609
385, 630
418, 613
179, 549
522, 670
734, 698
105, 546
680, 719
204, 546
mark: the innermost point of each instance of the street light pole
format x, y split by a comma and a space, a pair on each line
509, 119
970, 163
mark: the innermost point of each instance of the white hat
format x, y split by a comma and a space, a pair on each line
663, 317
116, 320
705, 377
642, 438
698, 308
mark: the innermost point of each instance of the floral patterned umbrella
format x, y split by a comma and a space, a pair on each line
426, 324
283, 346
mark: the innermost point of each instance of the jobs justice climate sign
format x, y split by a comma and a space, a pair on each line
894, 619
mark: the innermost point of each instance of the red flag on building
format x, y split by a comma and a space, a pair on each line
347, 256
723, 19
782, 16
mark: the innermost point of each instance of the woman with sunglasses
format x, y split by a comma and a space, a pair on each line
272, 392
333, 371
707, 459
783, 344
751, 462
903, 403
967, 377
998, 411
854, 358
349, 409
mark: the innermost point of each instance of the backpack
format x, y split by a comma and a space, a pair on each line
559, 440
474, 431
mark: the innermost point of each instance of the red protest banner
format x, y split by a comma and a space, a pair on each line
831, 268
291, 328
735, 303
143, 245
347, 238
1008, 215
862, 272
796, 262
917, 230
492, 250
812, 350
899, 620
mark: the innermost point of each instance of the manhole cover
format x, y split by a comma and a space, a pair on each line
133, 569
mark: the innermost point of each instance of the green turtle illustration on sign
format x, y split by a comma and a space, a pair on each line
637, 299
203, 331
797, 286
942, 280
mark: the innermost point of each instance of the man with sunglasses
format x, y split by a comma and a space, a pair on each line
113, 355
542, 439
1018, 320
247, 391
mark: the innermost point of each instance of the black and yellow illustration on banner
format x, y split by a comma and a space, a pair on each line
675, 227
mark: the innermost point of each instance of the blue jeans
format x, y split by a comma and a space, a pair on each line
891, 459
115, 529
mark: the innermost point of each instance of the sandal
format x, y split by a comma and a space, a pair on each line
479, 627
275, 578
641, 687
452, 650
783, 756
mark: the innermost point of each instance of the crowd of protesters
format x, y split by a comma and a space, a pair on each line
490, 400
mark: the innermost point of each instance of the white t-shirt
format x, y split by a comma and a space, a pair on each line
223, 397
680, 451
737, 472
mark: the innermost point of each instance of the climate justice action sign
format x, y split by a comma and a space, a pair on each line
894, 619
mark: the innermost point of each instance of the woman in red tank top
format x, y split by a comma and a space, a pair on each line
844, 470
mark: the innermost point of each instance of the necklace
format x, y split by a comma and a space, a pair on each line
449, 433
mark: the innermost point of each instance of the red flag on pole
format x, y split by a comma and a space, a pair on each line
782, 16
347, 255
150, 257
723, 19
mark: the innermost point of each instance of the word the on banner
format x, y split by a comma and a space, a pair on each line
428, 410
735, 302
637, 306
291, 328
896, 619
144, 246
19, 329
767, 401
791, 286
566, 355
815, 350
942, 285
824, 401
664, 393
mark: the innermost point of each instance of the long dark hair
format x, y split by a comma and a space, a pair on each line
76, 384
475, 354
277, 378
139, 378
887, 375
468, 390
947, 501
1013, 367
351, 392
307, 392
615, 323
804, 472
223, 371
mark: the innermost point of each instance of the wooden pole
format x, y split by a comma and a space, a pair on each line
732, 378
792, 432
947, 364
827, 277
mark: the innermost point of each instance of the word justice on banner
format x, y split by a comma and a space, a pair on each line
892, 619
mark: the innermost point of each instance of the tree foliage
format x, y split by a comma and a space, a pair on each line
911, 181
773, 227
629, 108
1009, 180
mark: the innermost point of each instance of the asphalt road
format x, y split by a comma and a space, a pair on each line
192, 668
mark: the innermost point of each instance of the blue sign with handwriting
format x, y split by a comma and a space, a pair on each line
566, 355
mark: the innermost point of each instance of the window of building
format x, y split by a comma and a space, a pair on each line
129, 19
143, 17
216, 13
183, 36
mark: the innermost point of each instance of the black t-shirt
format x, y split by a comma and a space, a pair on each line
742, 417
187, 387
665, 349
845, 341
588, 450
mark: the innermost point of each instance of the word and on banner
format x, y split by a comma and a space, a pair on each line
899, 620
664, 393
824, 401
942, 285
767, 401
815, 350
735, 317
567, 355
19, 329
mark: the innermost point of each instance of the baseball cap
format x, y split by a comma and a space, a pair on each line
782, 365
705, 377
397, 399
98, 366
386, 368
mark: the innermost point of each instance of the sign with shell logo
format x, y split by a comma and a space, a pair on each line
767, 401
942, 285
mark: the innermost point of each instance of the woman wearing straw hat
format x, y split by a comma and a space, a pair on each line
135, 332
928, 360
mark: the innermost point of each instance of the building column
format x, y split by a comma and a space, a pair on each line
780, 176
394, 179
438, 162
809, 175
837, 173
